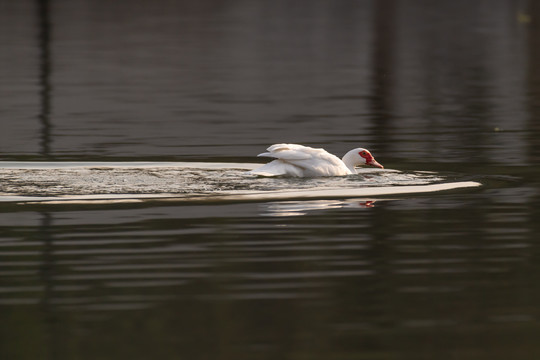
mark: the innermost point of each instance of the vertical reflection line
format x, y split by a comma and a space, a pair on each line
47, 264
43, 8
533, 79
383, 73
47, 278
383, 68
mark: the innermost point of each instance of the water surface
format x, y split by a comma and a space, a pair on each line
93, 265
74, 181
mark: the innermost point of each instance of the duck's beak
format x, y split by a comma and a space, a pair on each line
374, 163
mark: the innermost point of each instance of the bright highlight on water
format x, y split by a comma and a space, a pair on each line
182, 181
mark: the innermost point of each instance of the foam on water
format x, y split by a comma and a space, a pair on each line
136, 181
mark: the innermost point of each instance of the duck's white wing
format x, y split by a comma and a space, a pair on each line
299, 160
290, 152
278, 167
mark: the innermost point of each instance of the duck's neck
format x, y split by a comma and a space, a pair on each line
350, 161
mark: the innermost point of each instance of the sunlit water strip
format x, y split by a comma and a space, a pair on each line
120, 164
194, 181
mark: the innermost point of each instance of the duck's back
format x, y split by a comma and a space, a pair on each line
301, 161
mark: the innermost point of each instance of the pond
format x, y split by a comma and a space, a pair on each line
129, 228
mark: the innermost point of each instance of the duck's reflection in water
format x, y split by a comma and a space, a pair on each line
299, 208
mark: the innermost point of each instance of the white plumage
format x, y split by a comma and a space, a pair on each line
305, 161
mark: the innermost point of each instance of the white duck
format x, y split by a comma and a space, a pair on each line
305, 161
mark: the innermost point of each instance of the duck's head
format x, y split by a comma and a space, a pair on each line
360, 157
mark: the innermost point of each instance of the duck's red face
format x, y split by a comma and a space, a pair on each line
370, 160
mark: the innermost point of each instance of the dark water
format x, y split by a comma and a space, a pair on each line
449, 87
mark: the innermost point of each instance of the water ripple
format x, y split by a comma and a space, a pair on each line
111, 182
